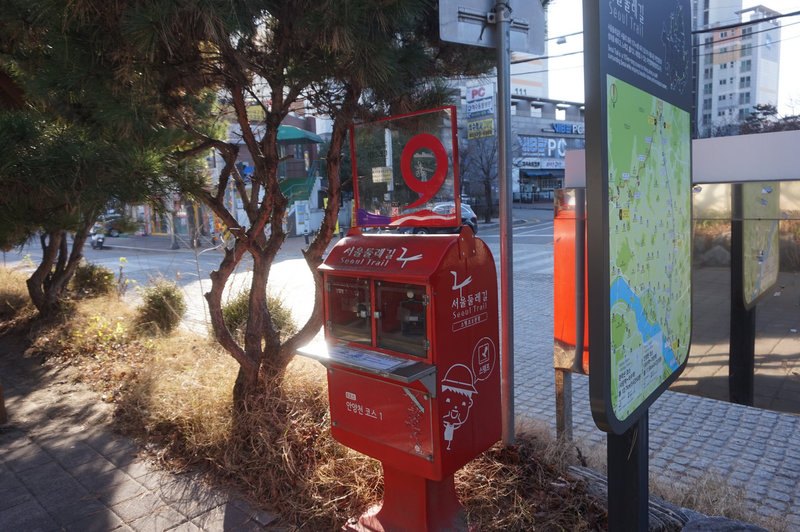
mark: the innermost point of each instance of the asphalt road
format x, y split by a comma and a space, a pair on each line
143, 261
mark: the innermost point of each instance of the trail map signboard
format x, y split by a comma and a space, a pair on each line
638, 90
760, 211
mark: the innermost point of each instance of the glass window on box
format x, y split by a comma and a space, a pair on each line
401, 320
349, 311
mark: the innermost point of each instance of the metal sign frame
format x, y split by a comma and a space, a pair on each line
653, 105
404, 198
470, 22
454, 18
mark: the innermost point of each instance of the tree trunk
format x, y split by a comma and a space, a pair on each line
3, 415
44, 300
263, 359
47, 283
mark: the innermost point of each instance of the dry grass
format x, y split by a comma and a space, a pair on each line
710, 494
278, 449
96, 336
524, 487
14, 300
174, 393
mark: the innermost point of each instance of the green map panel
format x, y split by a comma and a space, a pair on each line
649, 187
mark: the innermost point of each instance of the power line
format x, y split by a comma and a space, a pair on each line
518, 61
694, 45
740, 37
713, 53
748, 23
581, 51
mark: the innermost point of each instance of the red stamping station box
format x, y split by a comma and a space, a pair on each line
412, 349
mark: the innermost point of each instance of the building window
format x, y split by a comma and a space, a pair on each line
708, 73
744, 98
723, 34
744, 82
747, 32
707, 104
746, 65
706, 119
747, 49
723, 65
708, 87
723, 82
721, 97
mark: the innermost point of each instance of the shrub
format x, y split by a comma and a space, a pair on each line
236, 310
162, 308
93, 279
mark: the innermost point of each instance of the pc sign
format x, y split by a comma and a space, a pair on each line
480, 111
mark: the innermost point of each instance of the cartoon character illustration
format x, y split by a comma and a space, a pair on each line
457, 391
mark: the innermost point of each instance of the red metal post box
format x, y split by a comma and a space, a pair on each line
570, 323
411, 329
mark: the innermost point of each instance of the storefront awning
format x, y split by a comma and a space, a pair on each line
295, 135
541, 173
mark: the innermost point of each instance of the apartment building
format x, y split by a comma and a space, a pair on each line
737, 58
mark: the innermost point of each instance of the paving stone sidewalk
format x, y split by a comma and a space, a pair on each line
61, 467
692, 438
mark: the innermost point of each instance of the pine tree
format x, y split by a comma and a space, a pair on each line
75, 134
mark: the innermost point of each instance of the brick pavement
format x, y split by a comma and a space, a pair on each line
61, 468
691, 437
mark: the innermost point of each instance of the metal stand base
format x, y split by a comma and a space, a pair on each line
411, 502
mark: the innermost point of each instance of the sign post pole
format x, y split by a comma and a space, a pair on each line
743, 319
466, 21
503, 28
638, 161
627, 477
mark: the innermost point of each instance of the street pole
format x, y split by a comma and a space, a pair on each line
628, 491
741, 357
503, 29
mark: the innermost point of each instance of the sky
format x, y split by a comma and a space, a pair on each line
566, 73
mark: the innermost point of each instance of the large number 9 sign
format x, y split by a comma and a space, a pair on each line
426, 189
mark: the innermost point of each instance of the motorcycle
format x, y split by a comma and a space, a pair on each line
98, 237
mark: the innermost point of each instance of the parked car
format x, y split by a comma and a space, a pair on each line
111, 224
114, 224
467, 218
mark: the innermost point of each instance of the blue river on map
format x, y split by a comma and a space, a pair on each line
620, 291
